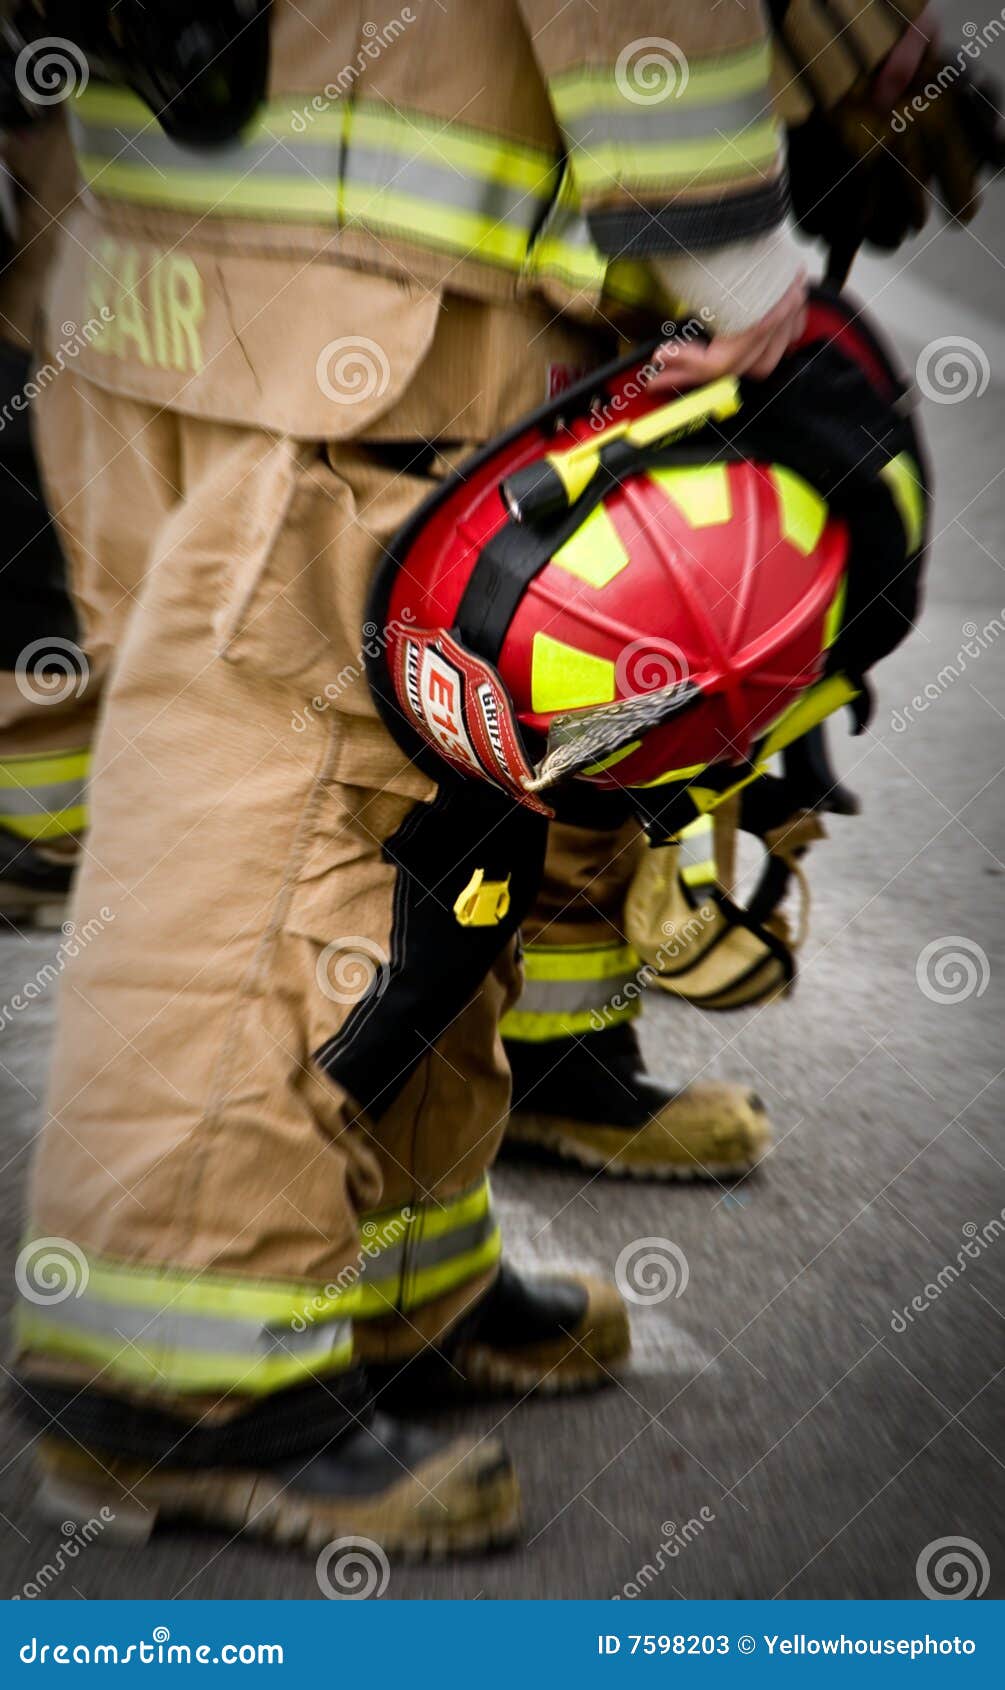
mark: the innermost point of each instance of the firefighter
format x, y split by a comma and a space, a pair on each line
47, 693
580, 1089
278, 1083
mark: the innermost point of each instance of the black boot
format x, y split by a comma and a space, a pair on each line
588, 1100
412, 1492
34, 882
524, 1334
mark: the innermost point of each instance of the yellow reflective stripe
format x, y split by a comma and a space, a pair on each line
478, 154
563, 678
254, 195
456, 1212
587, 88
719, 158
802, 513
527, 1026
699, 874
674, 774
903, 478
578, 962
696, 864
178, 1370
615, 757
190, 1331
55, 824
702, 494
118, 108
44, 771
835, 614
595, 553
815, 704
433, 224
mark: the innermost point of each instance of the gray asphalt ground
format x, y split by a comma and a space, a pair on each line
774, 1401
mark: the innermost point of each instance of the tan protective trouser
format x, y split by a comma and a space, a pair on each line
577, 960
198, 1173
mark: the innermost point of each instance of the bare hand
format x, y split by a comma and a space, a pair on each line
754, 352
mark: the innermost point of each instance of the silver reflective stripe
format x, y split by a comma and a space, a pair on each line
154, 148
435, 1250
326, 163
640, 127
443, 185
429, 1252
175, 1329
42, 800
551, 997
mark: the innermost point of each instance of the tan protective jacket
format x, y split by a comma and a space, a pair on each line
509, 152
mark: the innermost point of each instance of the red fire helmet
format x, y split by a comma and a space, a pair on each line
610, 592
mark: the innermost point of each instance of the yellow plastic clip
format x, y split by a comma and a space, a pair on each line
483, 903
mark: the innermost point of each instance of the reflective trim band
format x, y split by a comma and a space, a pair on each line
568, 986
714, 158
362, 164
816, 703
713, 121
727, 77
201, 1331
696, 862
835, 614
44, 797
903, 478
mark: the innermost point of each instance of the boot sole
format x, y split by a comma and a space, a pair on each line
487, 1507
584, 1363
550, 1134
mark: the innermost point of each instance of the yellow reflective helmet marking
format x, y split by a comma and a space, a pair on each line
701, 493
802, 513
594, 554
565, 678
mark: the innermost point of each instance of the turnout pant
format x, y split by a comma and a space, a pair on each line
278, 1081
